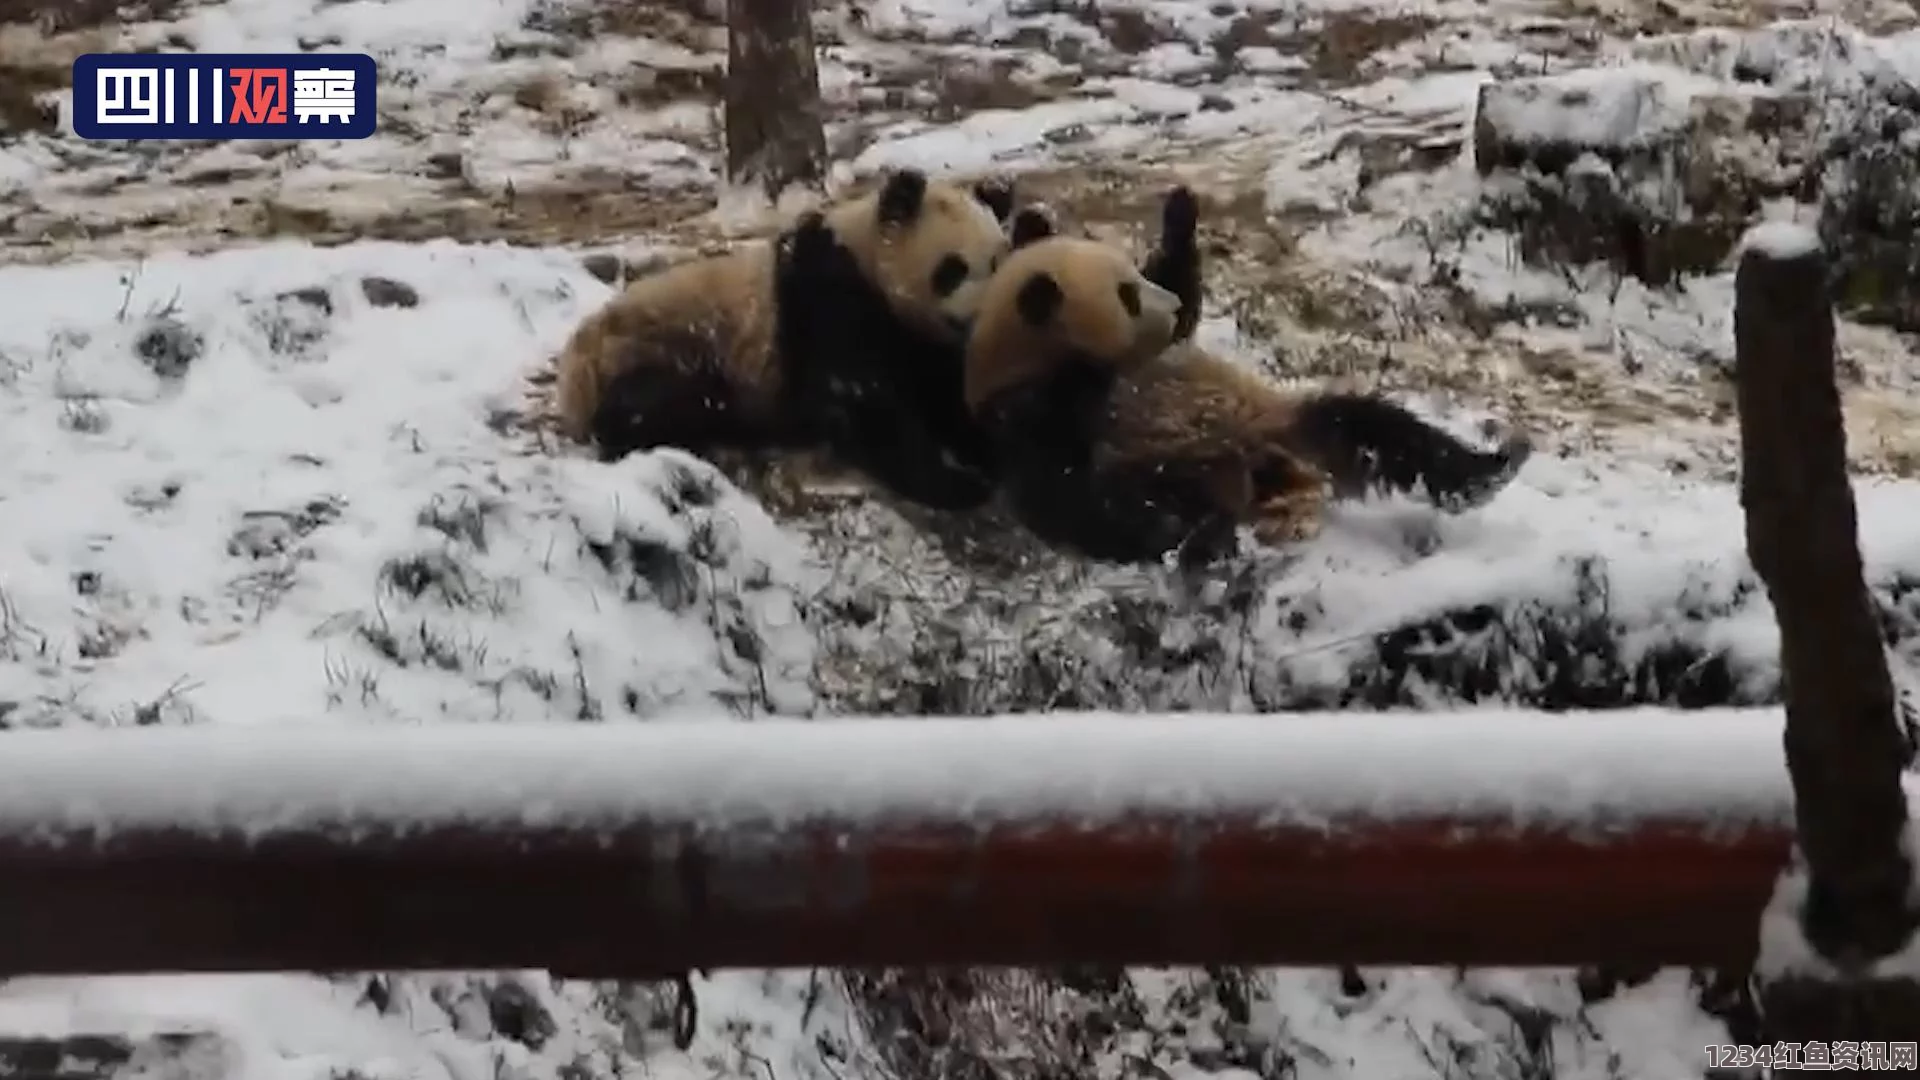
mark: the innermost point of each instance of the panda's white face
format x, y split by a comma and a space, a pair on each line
968, 253
939, 264
1105, 308
1066, 300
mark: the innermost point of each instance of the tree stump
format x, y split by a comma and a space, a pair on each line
773, 115
1844, 743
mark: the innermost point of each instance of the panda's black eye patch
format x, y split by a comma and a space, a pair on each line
949, 275
1130, 298
1040, 299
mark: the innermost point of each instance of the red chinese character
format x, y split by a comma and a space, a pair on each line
259, 96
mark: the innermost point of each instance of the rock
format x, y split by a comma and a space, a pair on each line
616, 271
386, 292
603, 265
1653, 169
447, 165
314, 296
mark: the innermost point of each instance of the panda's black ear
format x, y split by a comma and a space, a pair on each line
996, 193
1039, 299
1030, 224
901, 196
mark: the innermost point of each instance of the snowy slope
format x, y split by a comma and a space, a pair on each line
314, 509
391, 541
312, 512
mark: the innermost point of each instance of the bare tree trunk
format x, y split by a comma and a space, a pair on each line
775, 135
1844, 741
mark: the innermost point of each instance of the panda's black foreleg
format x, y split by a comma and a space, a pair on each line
1174, 263
884, 399
1366, 444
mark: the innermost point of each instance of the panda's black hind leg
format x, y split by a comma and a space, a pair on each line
1174, 264
1367, 443
1123, 515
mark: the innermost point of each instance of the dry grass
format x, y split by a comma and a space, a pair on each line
694, 24
39, 40
549, 215
62, 16
36, 57
1336, 47
1128, 30
1347, 38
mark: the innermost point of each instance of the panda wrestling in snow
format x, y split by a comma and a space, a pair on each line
846, 331
1120, 438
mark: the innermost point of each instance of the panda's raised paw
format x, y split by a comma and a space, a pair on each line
1032, 223
811, 234
813, 247
1179, 217
996, 192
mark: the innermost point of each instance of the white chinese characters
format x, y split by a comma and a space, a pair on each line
323, 94
127, 96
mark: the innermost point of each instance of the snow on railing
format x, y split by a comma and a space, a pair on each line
1502, 838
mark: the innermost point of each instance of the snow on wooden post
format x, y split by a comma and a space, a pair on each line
774, 130
1845, 749
643, 849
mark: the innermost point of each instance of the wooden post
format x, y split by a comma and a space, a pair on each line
774, 128
1845, 748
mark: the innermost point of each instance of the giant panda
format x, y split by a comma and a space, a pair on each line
1122, 439
747, 349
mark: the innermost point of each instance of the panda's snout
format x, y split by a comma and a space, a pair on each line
1156, 302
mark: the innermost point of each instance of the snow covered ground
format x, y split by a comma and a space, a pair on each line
244, 492
253, 479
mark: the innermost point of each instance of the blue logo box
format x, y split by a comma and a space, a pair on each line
224, 95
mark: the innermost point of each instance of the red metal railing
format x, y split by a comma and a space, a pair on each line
638, 850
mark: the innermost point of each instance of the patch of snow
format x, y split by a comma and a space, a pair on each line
994, 138
1781, 241
382, 547
1905, 963
1624, 106
1785, 951
1501, 767
744, 209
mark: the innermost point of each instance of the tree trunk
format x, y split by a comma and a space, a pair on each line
1845, 745
775, 136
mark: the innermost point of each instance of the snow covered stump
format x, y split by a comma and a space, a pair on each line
1845, 748
1652, 173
